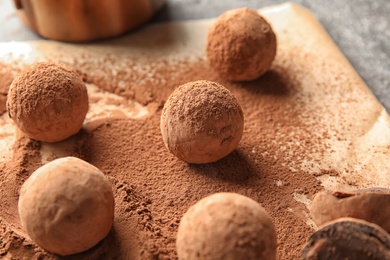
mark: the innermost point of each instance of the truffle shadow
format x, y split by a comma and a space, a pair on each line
108, 248
273, 82
235, 168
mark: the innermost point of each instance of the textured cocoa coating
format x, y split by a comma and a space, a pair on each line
241, 45
48, 101
226, 226
348, 238
372, 205
66, 206
201, 122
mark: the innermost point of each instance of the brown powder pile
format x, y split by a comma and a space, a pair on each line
153, 188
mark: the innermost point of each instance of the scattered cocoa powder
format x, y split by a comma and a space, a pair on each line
326, 172
153, 188
294, 125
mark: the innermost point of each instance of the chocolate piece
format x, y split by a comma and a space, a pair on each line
372, 205
202, 122
66, 206
348, 238
48, 101
241, 45
226, 226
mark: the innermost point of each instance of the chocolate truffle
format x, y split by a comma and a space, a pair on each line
201, 122
348, 238
226, 226
372, 205
241, 45
66, 206
48, 101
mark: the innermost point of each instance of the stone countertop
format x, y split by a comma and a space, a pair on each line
360, 28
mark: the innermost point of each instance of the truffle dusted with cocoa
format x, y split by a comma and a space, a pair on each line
48, 101
241, 45
226, 226
348, 238
66, 206
372, 205
201, 122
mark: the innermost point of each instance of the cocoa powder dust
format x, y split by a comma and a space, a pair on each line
153, 188
305, 120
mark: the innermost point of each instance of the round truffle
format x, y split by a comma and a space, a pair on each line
201, 122
66, 206
226, 226
48, 101
241, 45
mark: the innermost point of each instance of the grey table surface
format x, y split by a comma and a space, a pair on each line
361, 29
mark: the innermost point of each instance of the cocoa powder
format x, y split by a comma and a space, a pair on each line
153, 188
309, 118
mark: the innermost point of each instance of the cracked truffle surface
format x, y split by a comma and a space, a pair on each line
66, 206
348, 238
226, 226
48, 101
201, 122
241, 45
